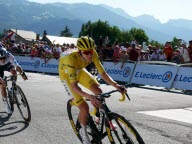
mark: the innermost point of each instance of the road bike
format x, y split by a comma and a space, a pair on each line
113, 125
15, 95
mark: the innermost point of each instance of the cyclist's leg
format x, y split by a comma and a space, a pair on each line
83, 107
83, 115
3, 92
89, 81
11, 68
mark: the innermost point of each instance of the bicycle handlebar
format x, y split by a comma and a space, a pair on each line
11, 77
108, 94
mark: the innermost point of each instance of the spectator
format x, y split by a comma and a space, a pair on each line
72, 46
162, 56
20, 50
116, 54
133, 53
190, 50
102, 54
46, 46
57, 51
109, 52
177, 57
27, 49
184, 52
106, 40
168, 51
150, 48
100, 42
62, 49
123, 56
10, 38
141, 56
47, 55
147, 55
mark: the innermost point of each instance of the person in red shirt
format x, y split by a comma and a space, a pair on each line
133, 53
168, 50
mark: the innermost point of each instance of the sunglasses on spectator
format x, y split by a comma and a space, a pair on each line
88, 52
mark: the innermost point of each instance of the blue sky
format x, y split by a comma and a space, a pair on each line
163, 10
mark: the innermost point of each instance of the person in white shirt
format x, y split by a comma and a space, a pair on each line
184, 52
57, 51
162, 56
155, 55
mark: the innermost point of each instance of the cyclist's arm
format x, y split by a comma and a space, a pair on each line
12, 59
72, 74
104, 75
18, 68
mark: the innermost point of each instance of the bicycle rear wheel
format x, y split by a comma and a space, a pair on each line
22, 104
124, 132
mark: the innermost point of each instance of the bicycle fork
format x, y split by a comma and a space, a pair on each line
106, 110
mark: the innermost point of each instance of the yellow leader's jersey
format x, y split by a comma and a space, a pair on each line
71, 63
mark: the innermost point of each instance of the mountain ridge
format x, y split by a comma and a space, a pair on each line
35, 16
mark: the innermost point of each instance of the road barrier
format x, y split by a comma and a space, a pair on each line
153, 73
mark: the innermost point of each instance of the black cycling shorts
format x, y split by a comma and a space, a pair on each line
5, 67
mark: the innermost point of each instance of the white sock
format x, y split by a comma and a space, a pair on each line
84, 129
4, 99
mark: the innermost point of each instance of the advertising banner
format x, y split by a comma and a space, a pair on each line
38, 64
118, 73
183, 79
154, 75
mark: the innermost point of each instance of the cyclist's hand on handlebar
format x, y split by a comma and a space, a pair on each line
23, 75
95, 102
122, 89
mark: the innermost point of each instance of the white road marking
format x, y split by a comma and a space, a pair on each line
183, 115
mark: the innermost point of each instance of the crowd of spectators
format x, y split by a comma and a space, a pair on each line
37, 49
117, 52
135, 52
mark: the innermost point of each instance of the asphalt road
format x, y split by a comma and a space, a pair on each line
50, 124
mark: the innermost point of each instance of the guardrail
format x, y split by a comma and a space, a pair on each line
153, 73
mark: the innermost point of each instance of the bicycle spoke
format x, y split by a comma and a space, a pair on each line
123, 132
116, 133
125, 136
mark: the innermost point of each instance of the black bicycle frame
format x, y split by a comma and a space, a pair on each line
97, 130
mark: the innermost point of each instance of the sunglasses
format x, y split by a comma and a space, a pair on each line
88, 52
2, 58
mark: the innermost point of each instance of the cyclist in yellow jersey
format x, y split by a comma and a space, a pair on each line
72, 72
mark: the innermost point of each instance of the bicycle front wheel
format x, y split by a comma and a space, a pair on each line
73, 113
22, 104
124, 132
10, 101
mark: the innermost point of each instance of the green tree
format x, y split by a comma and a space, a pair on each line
176, 43
100, 28
139, 35
66, 32
155, 43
